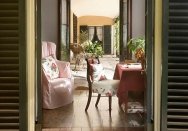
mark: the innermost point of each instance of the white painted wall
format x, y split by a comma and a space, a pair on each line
138, 18
49, 20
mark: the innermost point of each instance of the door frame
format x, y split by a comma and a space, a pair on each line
164, 79
149, 6
149, 39
38, 54
149, 36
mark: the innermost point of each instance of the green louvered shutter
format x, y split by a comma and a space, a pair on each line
175, 62
12, 65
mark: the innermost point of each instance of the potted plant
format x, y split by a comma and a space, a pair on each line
83, 37
137, 47
93, 48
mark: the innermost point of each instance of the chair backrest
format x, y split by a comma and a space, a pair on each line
91, 60
48, 48
134, 80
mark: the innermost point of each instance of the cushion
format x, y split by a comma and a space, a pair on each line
106, 87
50, 67
97, 72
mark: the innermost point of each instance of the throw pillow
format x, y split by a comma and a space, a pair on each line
97, 72
50, 67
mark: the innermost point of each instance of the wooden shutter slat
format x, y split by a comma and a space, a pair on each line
6, 26
178, 53
175, 4
178, 59
178, 123
9, 79
178, 79
178, 26
9, 105
9, 1
10, 6
175, 73
7, 73
12, 20
178, 110
9, 118
177, 84
178, 90
11, 53
9, 33
178, 97
181, 67
8, 99
178, 103
10, 47
178, 46
8, 13
9, 40
176, 39
9, 125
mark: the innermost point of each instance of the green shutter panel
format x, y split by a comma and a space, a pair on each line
107, 39
176, 117
10, 65
75, 22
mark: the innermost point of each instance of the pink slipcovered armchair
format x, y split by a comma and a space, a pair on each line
57, 81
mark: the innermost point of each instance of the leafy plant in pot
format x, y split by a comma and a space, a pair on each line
93, 48
137, 47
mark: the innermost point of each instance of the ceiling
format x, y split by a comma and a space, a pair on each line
107, 8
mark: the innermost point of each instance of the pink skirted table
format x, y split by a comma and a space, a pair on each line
122, 72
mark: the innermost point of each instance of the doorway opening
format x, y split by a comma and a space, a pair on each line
130, 26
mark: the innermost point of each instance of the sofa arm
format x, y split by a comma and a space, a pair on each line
64, 69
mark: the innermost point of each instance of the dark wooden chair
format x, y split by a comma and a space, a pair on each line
105, 85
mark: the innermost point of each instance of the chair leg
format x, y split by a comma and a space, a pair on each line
89, 100
98, 98
110, 104
126, 104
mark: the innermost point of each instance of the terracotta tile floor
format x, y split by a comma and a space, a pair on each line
74, 118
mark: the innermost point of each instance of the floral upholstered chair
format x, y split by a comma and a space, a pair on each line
57, 81
98, 83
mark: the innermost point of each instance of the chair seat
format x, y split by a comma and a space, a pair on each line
59, 92
107, 87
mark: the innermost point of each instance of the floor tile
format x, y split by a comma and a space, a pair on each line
119, 129
76, 129
54, 129
45, 129
65, 129
87, 129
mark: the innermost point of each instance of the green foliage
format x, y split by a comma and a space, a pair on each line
93, 48
64, 52
116, 35
83, 36
136, 43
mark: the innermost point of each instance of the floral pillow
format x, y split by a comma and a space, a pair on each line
97, 72
50, 67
